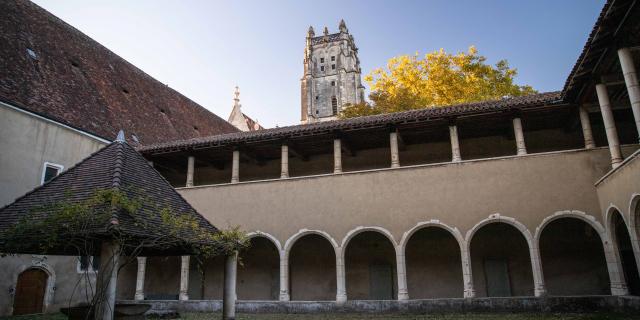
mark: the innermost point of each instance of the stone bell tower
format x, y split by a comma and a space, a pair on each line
331, 75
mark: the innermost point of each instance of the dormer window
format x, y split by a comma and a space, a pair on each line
333, 67
333, 58
321, 68
321, 60
50, 171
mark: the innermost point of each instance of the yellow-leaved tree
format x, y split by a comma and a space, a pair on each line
438, 79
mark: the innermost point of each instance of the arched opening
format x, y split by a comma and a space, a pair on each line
434, 269
573, 261
127, 275
206, 278
162, 278
500, 262
30, 291
312, 269
259, 272
370, 267
625, 252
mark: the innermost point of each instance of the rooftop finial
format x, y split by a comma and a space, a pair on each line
311, 33
326, 31
237, 95
120, 137
343, 26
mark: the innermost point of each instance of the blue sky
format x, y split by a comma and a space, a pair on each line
204, 48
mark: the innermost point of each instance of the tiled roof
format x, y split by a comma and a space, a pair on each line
50, 68
119, 166
534, 100
252, 124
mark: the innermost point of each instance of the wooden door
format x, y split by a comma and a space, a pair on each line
380, 282
497, 277
30, 291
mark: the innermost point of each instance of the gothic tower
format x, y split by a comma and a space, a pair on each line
331, 75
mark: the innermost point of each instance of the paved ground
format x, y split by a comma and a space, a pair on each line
210, 316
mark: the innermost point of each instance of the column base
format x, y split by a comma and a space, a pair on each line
403, 296
469, 293
341, 298
619, 289
139, 297
284, 296
183, 296
540, 292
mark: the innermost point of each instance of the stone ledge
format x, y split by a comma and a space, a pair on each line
573, 304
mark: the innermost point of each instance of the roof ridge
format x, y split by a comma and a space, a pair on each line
115, 178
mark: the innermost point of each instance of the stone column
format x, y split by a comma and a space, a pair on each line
235, 167
184, 278
455, 145
519, 135
539, 289
190, 167
229, 291
107, 280
284, 162
341, 288
403, 291
631, 80
284, 276
393, 143
467, 274
142, 265
586, 128
337, 156
609, 125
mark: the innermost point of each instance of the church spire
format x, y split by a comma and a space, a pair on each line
343, 26
236, 98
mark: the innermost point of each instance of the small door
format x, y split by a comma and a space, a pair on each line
30, 291
380, 282
497, 276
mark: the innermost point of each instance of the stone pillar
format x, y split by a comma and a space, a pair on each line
284, 276
609, 125
235, 167
184, 278
467, 274
341, 287
539, 289
455, 145
190, 167
284, 162
142, 265
229, 292
107, 280
586, 128
631, 80
403, 291
614, 267
519, 135
393, 143
337, 156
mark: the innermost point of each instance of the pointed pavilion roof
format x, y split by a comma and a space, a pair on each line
116, 166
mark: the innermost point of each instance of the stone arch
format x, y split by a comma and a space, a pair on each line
271, 238
303, 232
603, 242
622, 248
50, 287
311, 273
371, 265
431, 223
433, 258
536, 270
258, 277
634, 225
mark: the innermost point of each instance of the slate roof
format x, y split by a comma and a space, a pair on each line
517, 103
50, 68
118, 166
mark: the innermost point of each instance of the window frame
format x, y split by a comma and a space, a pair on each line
90, 267
51, 165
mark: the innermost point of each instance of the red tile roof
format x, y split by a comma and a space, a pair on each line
52, 69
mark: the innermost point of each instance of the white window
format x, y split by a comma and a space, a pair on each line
88, 263
50, 171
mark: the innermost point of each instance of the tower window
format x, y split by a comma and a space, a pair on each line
321, 68
317, 97
333, 67
334, 105
333, 83
321, 60
333, 58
